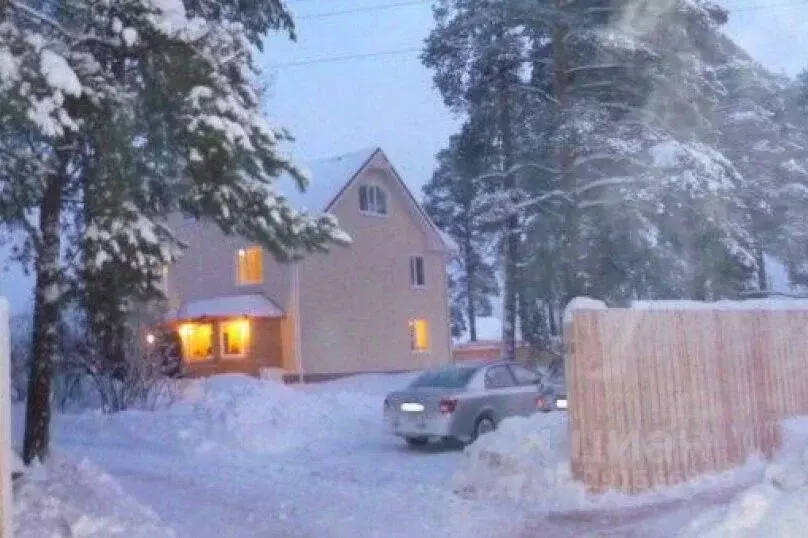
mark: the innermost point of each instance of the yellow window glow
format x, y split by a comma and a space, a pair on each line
249, 266
197, 341
235, 337
419, 335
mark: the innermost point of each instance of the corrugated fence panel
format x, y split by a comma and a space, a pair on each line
662, 397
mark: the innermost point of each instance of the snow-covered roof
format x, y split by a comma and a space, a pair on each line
252, 304
448, 240
328, 178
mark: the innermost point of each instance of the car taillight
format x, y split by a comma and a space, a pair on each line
448, 405
540, 402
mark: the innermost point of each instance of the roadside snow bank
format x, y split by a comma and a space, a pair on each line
61, 499
525, 459
776, 507
264, 416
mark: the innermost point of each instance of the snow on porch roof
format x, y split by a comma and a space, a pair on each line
328, 177
253, 304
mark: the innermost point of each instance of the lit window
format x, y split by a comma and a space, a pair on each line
235, 337
249, 266
197, 341
372, 200
419, 335
417, 276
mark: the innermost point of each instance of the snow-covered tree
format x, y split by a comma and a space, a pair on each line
451, 200
477, 56
115, 113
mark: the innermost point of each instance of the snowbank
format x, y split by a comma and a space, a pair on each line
778, 506
244, 413
65, 499
527, 460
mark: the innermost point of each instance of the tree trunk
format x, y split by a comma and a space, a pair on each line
763, 276
471, 272
46, 321
564, 157
511, 250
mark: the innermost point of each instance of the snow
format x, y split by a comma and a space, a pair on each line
582, 303
9, 66
328, 177
777, 506
239, 456
129, 36
58, 74
253, 304
236, 456
62, 498
526, 460
751, 304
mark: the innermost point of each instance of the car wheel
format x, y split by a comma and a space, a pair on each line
417, 441
484, 425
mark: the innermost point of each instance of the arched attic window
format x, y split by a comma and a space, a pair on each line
372, 200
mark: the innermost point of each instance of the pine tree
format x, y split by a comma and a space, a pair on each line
476, 57
451, 200
163, 89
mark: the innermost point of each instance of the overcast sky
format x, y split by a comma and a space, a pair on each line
336, 107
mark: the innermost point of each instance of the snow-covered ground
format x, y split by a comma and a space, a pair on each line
240, 457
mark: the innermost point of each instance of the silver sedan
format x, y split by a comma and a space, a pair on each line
463, 401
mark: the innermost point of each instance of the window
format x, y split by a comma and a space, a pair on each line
249, 266
197, 341
417, 277
372, 200
498, 377
523, 375
447, 377
419, 335
235, 337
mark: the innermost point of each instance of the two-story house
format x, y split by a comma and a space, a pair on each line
380, 304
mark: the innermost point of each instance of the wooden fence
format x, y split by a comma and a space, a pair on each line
662, 397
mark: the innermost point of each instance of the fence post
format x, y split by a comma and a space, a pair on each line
5, 423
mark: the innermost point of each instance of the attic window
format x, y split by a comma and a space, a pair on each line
372, 200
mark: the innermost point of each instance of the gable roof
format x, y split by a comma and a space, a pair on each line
328, 177
332, 176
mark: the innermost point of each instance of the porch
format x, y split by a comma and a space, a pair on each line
233, 334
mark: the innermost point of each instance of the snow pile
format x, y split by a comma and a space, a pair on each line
265, 416
582, 303
776, 507
63, 499
525, 459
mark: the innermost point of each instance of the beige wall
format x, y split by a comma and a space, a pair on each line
208, 266
356, 302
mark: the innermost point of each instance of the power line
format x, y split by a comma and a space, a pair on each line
359, 56
362, 9
347, 57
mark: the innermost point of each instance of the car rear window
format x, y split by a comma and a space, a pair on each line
448, 378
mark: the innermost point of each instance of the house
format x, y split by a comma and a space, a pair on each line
379, 304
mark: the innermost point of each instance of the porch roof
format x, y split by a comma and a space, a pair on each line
251, 304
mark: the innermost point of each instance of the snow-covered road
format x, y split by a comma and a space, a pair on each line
242, 458
350, 480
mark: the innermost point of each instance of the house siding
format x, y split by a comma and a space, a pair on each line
207, 268
356, 301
